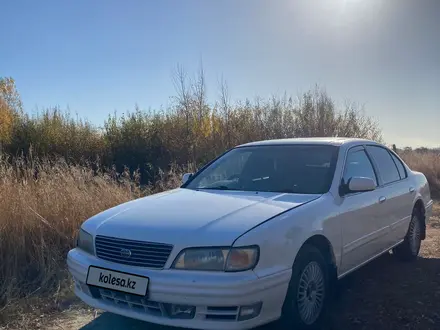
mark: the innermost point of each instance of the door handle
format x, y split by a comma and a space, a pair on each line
412, 189
382, 199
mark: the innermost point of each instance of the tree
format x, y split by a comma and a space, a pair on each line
10, 108
317, 115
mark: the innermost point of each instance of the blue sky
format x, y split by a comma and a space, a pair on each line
99, 56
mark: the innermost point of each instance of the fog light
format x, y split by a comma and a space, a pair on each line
249, 312
180, 311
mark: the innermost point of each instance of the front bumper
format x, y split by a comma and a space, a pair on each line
217, 297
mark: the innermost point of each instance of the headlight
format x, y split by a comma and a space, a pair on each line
85, 242
217, 259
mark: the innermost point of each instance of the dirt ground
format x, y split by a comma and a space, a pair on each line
384, 295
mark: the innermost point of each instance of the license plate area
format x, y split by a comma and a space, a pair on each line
119, 281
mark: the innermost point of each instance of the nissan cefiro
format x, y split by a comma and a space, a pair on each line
261, 233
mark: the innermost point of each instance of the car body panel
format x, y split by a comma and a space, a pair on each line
397, 210
291, 230
362, 228
178, 218
201, 289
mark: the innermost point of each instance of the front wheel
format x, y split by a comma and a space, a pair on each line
410, 248
306, 299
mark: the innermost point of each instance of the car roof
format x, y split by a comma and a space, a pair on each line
334, 141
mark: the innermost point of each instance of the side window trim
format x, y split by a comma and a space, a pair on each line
352, 149
395, 158
375, 170
376, 167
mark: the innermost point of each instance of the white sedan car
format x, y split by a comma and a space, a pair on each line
259, 234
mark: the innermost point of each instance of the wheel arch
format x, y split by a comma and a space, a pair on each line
326, 248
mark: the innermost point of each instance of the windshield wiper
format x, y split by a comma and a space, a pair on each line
286, 191
218, 188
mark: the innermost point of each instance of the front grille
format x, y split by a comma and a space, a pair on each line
130, 301
176, 311
133, 253
142, 304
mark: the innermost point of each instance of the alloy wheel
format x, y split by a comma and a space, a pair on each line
311, 291
414, 236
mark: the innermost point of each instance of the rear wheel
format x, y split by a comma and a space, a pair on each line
410, 248
306, 299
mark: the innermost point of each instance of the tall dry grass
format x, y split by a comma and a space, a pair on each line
429, 164
42, 205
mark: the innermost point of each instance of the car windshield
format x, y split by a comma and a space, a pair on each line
301, 169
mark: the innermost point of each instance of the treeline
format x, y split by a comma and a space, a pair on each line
190, 131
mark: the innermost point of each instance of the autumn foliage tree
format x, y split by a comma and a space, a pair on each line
10, 108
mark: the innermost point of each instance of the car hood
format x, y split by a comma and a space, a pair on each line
192, 217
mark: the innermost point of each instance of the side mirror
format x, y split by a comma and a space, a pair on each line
186, 177
360, 184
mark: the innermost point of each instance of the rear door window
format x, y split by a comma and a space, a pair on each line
399, 165
387, 168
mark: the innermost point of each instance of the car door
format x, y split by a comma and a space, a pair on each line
396, 209
360, 221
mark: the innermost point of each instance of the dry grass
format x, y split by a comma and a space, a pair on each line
429, 164
39, 219
43, 205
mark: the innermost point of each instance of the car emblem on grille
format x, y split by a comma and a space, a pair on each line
125, 253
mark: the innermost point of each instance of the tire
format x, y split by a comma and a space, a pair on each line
410, 248
306, 300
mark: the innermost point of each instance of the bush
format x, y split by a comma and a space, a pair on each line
190, 131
